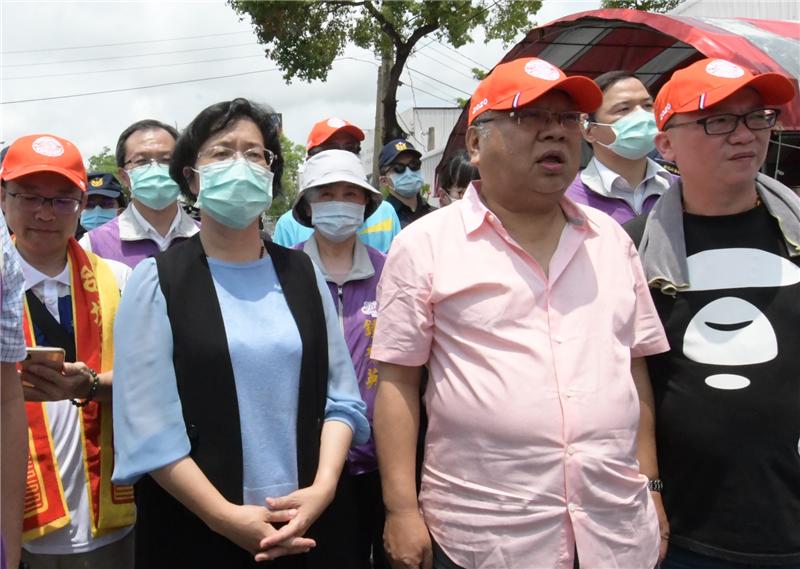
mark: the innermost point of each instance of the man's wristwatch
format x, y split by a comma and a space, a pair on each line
655, 485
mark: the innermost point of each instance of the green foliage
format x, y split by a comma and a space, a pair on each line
660, 6
293, 156
479, 73
103, 162
305, 36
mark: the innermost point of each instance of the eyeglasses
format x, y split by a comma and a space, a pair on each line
414, 165
140, 161
255, 155
538, 119
759, 119
354, 147
32, 203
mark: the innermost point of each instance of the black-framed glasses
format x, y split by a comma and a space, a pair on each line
413, 165
538, 119
140, 161
760, 119
354, 147
255, 155
32, 203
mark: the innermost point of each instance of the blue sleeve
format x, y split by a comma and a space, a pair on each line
288, 232
149, 431
344, 400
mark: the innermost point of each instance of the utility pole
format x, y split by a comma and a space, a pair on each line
387, 57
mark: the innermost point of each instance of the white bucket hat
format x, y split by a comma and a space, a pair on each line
328, 167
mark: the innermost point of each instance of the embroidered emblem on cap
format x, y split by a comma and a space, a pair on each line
96, 182
541, 70
401, 146
47, 146
724, 69
336, 123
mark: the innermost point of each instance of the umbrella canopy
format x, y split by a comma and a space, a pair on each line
654, 45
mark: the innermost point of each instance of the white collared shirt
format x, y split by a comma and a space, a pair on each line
134, 227
603, 180
64, 422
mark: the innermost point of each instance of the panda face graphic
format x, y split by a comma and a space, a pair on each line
730, 331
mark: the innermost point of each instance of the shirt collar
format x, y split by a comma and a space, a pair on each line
34, 276
134, 227
475, 213
362, 265
600, 178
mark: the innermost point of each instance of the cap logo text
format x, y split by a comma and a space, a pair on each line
664, 111
336, 123
480, 105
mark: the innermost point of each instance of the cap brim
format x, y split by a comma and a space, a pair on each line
774, 88
37, 168
587, 95
103, 192
375, 196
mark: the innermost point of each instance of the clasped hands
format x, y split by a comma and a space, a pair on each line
253, 527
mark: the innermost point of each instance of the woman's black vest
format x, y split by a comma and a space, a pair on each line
167, 534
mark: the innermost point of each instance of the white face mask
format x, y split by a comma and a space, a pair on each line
337, 221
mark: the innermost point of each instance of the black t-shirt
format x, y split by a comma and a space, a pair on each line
728, 393
404, 213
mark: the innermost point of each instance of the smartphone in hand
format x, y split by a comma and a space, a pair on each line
51, 357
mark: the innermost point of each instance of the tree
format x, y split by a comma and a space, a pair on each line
293, 157
660, 6
103, 162
304, 37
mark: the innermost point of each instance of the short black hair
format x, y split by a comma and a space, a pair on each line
611, 78
458, 171
216, 118
146, 124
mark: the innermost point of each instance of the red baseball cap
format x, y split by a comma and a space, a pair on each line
44, 153
516, 83
710, 81
326, 128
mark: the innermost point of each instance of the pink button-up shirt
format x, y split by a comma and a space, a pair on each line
533, 412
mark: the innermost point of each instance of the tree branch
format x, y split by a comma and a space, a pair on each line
385, 24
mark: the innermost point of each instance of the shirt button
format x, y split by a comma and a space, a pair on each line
572, 507
570, 449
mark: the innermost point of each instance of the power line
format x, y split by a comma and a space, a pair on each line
437, 80
454, 50
446, 65
72, 73
448, 101
124, 43
128, 56
122, 90
137, 88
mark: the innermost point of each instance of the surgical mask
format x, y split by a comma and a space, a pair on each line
408, 184
234, 192
337, 221
152, 185
635, 135
97, 216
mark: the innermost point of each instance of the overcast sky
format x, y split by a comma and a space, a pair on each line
181, 38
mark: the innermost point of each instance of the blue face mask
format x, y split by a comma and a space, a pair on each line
152, 185
234, 192
635, 135
408, 184
337, 221
97, 216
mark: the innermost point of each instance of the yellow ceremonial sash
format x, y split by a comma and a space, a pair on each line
95, 297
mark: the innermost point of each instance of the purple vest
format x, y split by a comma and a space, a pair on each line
615, 207
107, 244
359, 309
